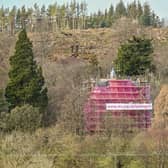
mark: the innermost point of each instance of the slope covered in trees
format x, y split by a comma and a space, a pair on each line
66, 144
74, 15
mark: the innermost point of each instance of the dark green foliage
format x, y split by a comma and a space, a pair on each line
26, 83
120, 9
133, 10
134, 57
103, 24
73, 16
146, 18
111, 11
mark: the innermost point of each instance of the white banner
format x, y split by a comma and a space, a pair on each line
128, 106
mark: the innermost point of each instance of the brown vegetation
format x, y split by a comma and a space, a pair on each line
59, 146
161, 108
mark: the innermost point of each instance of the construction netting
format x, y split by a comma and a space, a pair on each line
117, 102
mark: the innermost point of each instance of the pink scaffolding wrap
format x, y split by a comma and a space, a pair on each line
118, 98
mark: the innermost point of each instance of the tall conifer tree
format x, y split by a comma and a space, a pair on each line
120, 10
26, 83
146, 18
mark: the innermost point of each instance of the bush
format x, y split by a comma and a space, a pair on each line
25, 118
4, 121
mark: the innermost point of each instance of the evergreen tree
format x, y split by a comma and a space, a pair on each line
18, 19
120, 10
36, 10
134, 57
110, 15
146, 17
111, 11
158, 22
43, 11
74, 15
26, 84
153, 19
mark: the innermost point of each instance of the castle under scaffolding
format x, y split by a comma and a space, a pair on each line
118, 99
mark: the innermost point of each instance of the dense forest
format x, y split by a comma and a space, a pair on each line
74, 15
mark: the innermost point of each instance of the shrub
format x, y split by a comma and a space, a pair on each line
25, 118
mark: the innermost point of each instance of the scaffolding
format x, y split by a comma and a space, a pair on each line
118, 99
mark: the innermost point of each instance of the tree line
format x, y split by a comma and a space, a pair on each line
74, 15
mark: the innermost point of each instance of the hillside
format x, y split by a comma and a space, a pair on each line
82, 87
53, 52
64, 144
52, 49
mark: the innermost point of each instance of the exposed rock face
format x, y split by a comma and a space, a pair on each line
161, 108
